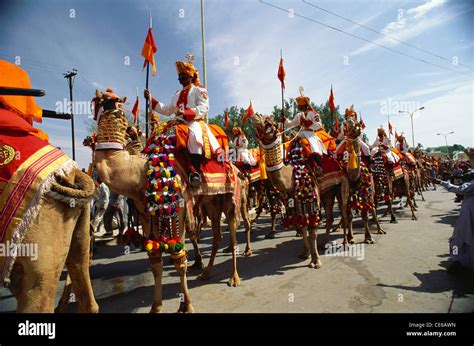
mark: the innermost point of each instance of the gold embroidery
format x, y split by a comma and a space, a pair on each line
7, 154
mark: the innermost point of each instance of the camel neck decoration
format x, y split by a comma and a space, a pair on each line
162, 193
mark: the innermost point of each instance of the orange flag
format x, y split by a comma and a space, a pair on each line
390, 128
226, 119
135, 110
332, 107
281, 73
248, 113
148, 51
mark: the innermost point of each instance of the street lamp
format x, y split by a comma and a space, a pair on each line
446, 138
411, 116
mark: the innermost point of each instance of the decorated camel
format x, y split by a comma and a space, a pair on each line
129, 175
302, 209
391, 179
44, 207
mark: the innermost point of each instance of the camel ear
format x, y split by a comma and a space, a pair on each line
98, 94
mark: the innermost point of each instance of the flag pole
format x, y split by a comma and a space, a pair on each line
282, 108
147, 101
203, 51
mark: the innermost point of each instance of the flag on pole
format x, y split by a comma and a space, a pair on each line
148, 51
390, 128
226, 119
332, 107
248, 113
135, 110
362, 124
396, 134
281, 73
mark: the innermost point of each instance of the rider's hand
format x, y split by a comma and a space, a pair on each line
436, 180
302, 120
179, 114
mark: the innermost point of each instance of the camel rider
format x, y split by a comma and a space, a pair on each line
240, 145
402, 146
364, 147
310, 122
390, 155
191, 104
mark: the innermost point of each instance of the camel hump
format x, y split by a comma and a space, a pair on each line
76, 185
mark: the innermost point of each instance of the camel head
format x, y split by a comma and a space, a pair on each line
266, 128
104, 101
90, 141
353, 128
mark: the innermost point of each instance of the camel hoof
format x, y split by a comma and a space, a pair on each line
393, 221
185, 308
351, 241
253, 221
369, 241
381, 231
270, 235
234, 281
156, 309
315, 265
205, 275
227, 250
196, 266
303, 256
298, 235
414, 218
248, 253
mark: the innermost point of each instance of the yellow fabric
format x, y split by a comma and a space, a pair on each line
14, 76
205, 137
352, 164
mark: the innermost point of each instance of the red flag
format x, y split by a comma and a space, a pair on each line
135, 110
362, 124
148, 51
226, 119
248, 113
390, 128
337, 123
281, 73
332, 107
396, 134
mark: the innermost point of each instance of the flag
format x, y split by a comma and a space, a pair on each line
362, 124
337, 123
281, 73
248, 113
226, 119
136, 110
390, 128
396, 134
148, 51
332, 107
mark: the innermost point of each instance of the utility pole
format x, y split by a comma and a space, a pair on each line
446, 139
70, 76
203, 51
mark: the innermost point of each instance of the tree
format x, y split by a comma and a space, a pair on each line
235, 120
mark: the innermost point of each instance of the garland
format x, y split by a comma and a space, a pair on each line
381, 181
362, 196
162, 193
305, 211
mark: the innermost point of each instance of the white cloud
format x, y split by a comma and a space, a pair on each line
409, 25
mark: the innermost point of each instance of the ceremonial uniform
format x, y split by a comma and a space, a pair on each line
404, 149
240, 145
364, 147
310, 122
386, 148
193, 101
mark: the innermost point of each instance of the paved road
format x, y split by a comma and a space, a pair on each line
404, 271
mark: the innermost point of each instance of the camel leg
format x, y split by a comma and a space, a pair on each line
63, 302
306, 249
412, 208
156, 265
244, 212
234, 279
328, 204
271, 234
214, 215
393, 219
365, 219
185, 305
380, 230
349, 238
198, 264
315, 260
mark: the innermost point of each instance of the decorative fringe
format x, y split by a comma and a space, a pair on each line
31, 214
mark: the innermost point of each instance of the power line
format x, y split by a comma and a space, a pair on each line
363, 39
381, 33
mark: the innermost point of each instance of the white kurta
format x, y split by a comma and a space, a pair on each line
241, 144
404, 150
379, 145
315, 142
198, 101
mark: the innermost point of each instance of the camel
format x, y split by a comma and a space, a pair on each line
388, 186
126, 174
282, 179
361, 182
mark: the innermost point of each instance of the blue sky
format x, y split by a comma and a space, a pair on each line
243, 41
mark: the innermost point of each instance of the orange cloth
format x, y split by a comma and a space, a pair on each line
182, 133
328, 140
24, 106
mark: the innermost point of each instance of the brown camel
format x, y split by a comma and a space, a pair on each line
126, 174
361, 182
282, 179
